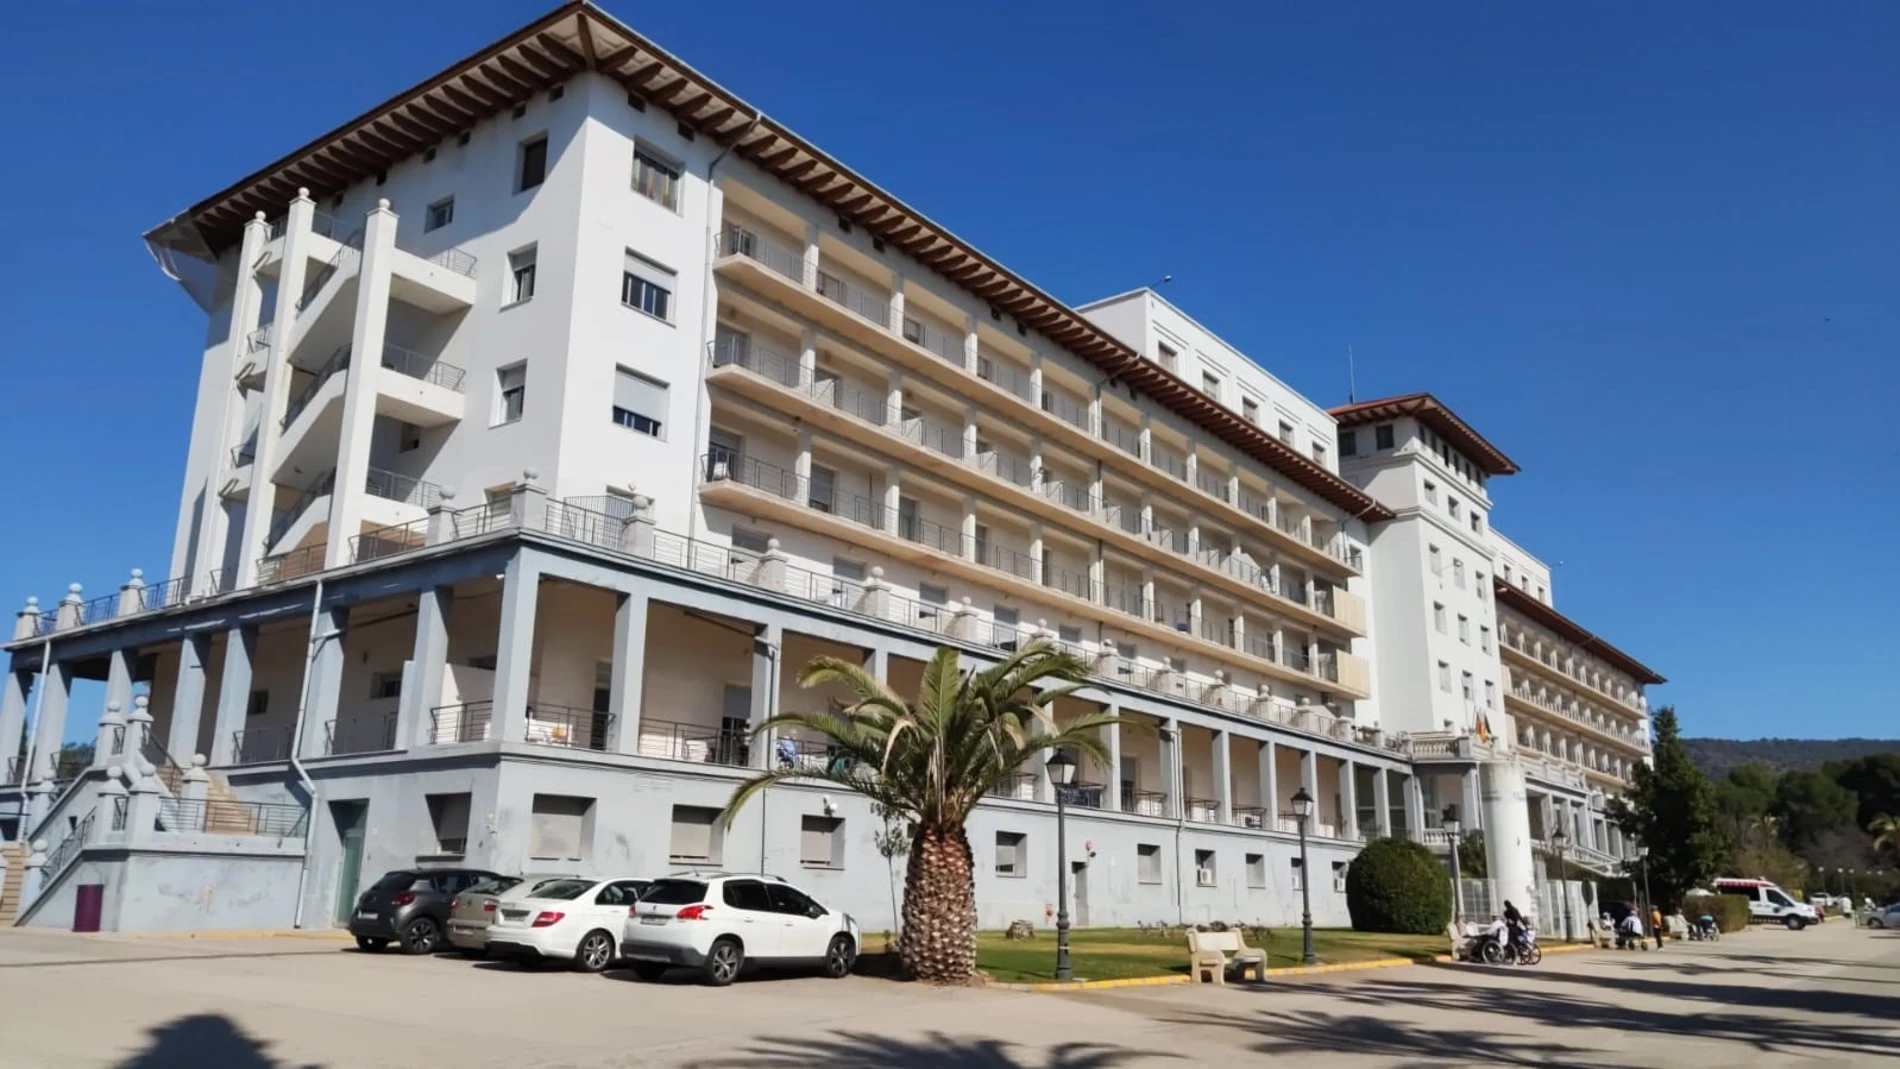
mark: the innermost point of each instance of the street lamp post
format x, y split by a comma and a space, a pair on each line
1642, 859
1562, 842
1453, 835
1061, 769
1302, 812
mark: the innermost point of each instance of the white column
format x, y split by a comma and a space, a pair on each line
1349, 799
893, 498
811, 256
1382, 798
259, 507
234, 691
325, 685
970, 344
1171, 768
1112, 742
894, 401
969, 527
246, 309
1223, 774
1036, 552
428, 665
969, 434
359, 384
1269, 785
12, 722
51, 730
766, 643
808, 357
514, 650
896, 325
801, 463
630, 649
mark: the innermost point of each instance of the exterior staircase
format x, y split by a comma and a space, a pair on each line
15, 855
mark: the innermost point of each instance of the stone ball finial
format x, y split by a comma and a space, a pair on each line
259, 216
877, 571
448, 493
771, 545
138, 573
303, 192
382, 204
39, 846
73, 589
966, 601
141, 701
529, 475
145, 767
115, 772
642, 502
112, 707
198, 760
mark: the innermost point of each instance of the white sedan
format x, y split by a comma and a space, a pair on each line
1885, 917
577, 920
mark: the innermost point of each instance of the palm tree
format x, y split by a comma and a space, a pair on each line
1886, 831
932, 761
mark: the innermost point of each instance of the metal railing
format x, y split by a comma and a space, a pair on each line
243, 455
351, 246
421, 366
696, 743
292, 565
575, 729
338, 361
373, 733
1127, 439
944, 344
218, 816
1066, 408
1167, 460
1084, 794
1005, 376
391, 541
1020, 786
737, 240
261, 745
853, 297
467, 722
60, 857
1145, 803
333, 227
458, 260
787, 371
393, 486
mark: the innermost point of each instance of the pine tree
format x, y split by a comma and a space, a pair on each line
1671, 808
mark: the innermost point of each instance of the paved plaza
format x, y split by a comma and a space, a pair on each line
1826, 996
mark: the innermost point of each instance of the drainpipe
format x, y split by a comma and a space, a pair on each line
771, 710
33, 740
1180, 826
296, 743
707, 318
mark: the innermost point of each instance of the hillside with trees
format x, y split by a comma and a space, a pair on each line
1717, 757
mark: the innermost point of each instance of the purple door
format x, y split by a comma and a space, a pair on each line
88, 906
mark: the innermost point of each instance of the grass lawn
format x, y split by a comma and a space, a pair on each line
1118, 953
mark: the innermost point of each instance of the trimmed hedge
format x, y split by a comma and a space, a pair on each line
1396, 885
1730, 911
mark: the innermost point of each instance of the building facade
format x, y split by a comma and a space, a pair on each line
553, 414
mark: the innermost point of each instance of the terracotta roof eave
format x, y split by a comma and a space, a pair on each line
1435, 414
1575, 632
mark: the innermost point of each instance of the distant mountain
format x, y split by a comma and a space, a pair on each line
1716, 756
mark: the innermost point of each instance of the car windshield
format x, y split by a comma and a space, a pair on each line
493, 885
1778, 898
675, 893
396, 881
563, 889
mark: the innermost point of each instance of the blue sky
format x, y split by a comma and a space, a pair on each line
1650, 250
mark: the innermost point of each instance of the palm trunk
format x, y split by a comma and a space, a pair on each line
938, 941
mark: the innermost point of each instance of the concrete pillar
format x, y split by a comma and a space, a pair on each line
1309, 782
808, 354
772, 566
970, 345
1414, 806
132, 593
629, 672
13, 724
1223, 775
1035, 463
1382, 799
109, 806
968, 528
767, 644
877, 662
52, 726
141, 802
1470, 809
259, 507
1349, 799
234, 693
1507, 832
1171, 769
514, 650
893, 501
119, 677
1035, 378
1036, 553
196, 783
323, 691
26, 622
138, 726
1112, 742
894, 401
801, 463
359, 386
896, 325
1270, 785
109, 749
969, 434
811, 256
428, 665
34, 874
39, 798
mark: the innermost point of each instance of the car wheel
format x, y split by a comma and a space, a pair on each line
649, 970
370, 946
840, 956
421, 936
1794, 924
723, 962
595, 952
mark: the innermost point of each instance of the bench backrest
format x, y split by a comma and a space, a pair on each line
1225, 942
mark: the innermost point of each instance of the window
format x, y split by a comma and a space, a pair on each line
1453, 506
695, 834
1319, 453
1339, 876
1431, 492
1348, 443
913, 331
511, 393
1250, 409
1147, 863
1458, 572
1484, 638
792, 901
1541, 595
821, 842
842, 568
656, 178
1444, 677
1382, 436
1011, 853
448, 815
748, 539
1466, 688
559, 826
748, 895
1257, 871
1164, 356
907, 518
1069, 634
1286, 432
648, 286
639, 403
521, 275
1477, 584
1204, 872
1436, 560
1210, 385
823, 487
1438, 617
408, 437
933, 595
259, 703
385, 685
1477, 522
1299, 874
1490, 694
439, 215
531, 163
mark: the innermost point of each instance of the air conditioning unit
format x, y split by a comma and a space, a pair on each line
1204, 877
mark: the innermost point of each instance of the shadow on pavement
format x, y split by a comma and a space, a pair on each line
1290, 1033
200, 1041
863, 1050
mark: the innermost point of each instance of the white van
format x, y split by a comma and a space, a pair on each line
1769, 904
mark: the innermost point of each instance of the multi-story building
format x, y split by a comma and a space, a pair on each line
1520, 718
555, 412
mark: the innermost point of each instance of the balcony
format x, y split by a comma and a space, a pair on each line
1519, 650
410, 386
782, 275
1526, 700
825, 402
751, 487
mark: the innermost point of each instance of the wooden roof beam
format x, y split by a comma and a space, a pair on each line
498, 90
550, 69
564, 55
638, 77
386, 147
449, 111
475, 108
521, 72
431, 130
584, 29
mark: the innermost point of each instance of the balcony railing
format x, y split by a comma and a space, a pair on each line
465, 722
1020, 786
941, 342
261, 745
1066, 408
695, 743
424, 367
1006, 376
392, 486
1145, 803
575, 729
360, 734
338, 361
230, 817
740, 241
1083, 794
288, 514
293, 565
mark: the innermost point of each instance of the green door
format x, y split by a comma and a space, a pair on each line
350, 818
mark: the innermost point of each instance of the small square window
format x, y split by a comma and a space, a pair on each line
1250, 410
821, 842
1319, 453
511, 393
648, 286
448, 818
521, 270
1286, 432
1438, 617
1147, 863
1444, 676
695, 835
1205, 873
1464, 629
748, 539
1257, 871
1339, 876
385, 685
531, 161
1210, 385
1348, 443
656, 178
439, 215
259, 703
1382, 436
1431, 492
1164, 356
640, 403
1299, 874
1012, 854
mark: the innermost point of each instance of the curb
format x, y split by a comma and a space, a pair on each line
265, 933
1291, 970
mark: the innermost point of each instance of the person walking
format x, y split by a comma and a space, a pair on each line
1656, 924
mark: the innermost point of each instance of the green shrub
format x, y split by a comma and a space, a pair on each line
1396, 885
1730, 911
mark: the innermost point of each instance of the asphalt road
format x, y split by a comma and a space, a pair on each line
1826, 996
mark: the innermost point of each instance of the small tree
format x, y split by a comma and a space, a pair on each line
1396, 885
891, 840
1671, 809
1472, 864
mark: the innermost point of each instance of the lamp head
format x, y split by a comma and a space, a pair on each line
1451, 822
1061, 768
1302, 804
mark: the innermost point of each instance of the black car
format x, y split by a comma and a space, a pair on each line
411, 907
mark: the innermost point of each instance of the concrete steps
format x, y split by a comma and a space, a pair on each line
15, 855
